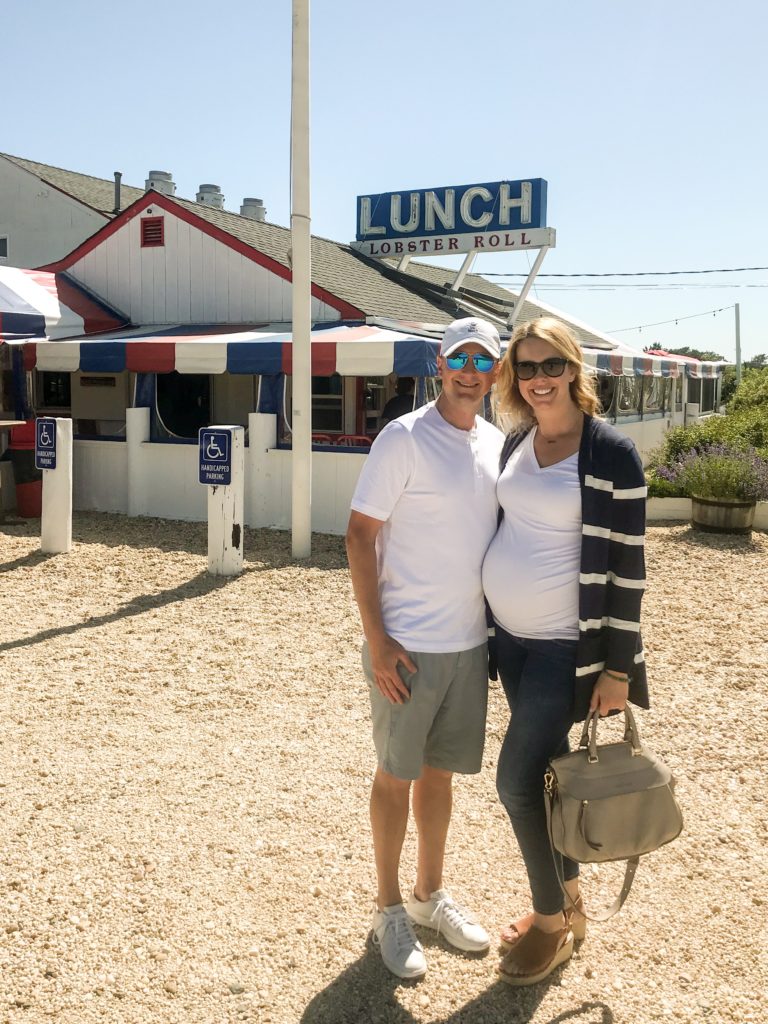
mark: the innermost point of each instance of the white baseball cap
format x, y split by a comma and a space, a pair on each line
471, 328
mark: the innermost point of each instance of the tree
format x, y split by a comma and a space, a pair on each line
697, 353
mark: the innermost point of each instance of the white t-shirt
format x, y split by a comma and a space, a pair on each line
531, 570
434, 488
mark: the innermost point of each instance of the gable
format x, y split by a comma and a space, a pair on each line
194, 276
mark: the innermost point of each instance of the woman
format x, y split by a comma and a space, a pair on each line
564, 577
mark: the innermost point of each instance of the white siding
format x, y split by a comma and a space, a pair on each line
42, 224
193, 278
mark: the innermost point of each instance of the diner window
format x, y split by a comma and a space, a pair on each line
606, 392
327, 403
694, 390
3, 247
653, 394
629, 393
708, 395
183, 403
678, 393
55, 390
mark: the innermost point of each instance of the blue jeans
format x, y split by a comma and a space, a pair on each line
538, 680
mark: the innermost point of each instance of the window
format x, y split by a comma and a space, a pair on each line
679, 392
694, 390
3, 247
327, 407
708, 395
183, 402
653, 394
606, 392
56, 390
152, 232
629, 389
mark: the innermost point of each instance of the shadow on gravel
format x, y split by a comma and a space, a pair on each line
26, 561
733, 543
367, 992
263, 549
195, 587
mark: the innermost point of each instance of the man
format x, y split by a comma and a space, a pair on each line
423, 514
401, 403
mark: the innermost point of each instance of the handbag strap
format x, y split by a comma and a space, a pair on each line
626, 885
588, 740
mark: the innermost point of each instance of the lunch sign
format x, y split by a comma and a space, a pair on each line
492, 217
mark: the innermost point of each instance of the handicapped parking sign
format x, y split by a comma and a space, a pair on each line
215, 451
45, 443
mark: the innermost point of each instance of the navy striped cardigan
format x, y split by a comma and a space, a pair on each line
612, 570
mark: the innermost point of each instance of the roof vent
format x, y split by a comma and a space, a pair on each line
161, 181
211, 195
253, 209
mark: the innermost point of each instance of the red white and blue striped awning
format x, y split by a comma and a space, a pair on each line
347, 349
37, 304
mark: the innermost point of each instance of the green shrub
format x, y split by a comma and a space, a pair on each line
752, 392
718, 472
742, 430
658, 487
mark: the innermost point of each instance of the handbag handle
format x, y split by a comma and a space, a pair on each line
589, 734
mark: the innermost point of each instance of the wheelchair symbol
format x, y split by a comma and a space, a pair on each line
46, 441
215, 447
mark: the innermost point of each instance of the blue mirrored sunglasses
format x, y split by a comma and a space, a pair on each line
458, 360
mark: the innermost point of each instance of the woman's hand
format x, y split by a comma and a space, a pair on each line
609, 694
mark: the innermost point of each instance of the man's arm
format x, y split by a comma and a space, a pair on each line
385, 652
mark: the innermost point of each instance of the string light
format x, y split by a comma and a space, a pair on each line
661, 323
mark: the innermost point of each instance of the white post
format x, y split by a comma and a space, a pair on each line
301, 419
738, 345
262, 437
56, 521
226, 503
511, 319
136, 435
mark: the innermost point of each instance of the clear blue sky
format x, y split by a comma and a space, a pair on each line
647, 120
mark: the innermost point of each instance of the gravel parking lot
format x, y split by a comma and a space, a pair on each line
184, 774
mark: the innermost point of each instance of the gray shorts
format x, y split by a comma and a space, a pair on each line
443, 724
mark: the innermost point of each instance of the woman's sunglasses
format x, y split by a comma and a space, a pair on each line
527, 369
483, 364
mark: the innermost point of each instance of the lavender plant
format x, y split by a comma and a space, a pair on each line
717, 471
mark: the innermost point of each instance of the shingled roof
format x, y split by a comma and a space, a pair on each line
420, 293
98, 193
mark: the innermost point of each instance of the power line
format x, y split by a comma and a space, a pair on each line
638, 273
661, 323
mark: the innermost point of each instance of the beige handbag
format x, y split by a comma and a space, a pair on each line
610, 802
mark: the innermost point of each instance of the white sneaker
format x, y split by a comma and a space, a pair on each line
400, 950
450, 919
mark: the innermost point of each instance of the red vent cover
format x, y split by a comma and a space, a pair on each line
152, 231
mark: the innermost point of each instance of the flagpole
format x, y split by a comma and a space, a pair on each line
301, 418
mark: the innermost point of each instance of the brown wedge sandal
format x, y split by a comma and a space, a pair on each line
536, 955
512, 934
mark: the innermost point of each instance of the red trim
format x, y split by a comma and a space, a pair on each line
29, 350
96, 318
345, 309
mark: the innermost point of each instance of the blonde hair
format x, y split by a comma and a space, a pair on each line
511, 408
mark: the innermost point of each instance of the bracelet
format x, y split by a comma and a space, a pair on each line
616, 676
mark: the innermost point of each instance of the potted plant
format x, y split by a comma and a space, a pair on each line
723, 484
